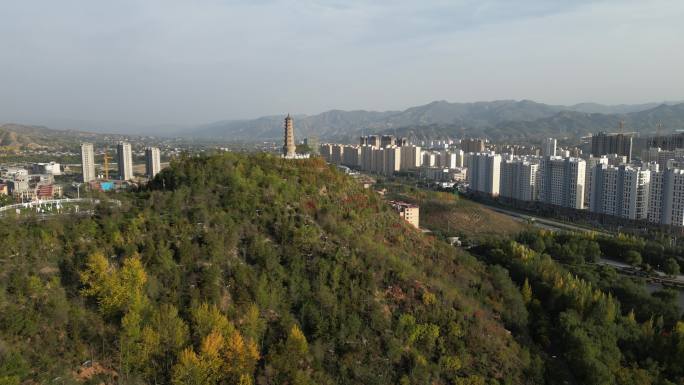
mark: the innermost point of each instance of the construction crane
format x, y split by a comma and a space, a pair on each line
106, 164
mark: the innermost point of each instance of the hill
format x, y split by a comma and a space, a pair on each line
236, 269
497, 119
251, 269
346, 124
563, 124
16, 136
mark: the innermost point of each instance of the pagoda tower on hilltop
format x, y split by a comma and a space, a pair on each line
289, 147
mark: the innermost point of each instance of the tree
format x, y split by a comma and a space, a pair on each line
240, 357
291, 361
205, 368
114, 289
633, 257
671, 267
208, 318
526, 291
172, 336
232, 361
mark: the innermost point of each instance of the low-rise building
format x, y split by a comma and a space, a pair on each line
409, 212
443, 174
47, 168
48, 191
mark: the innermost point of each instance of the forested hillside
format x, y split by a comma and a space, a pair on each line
235, 269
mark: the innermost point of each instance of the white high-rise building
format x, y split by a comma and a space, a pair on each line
666, 197
326, 151
484, 173
549, 147
378, 160
429, 159
591, 163
519, 180
367, 158
351, 156
87, 162
561, 181
337, 154
152, 161
391, 160
620, 191
448, 159
460, 158
125, 161
410, 158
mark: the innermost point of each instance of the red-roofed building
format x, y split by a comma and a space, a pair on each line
48, 191
44, 192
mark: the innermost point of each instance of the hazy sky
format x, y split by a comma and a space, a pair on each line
195, 61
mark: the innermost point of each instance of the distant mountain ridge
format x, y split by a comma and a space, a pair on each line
496, 119
18, 135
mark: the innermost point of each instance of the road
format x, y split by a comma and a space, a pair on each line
677, 279
546, 223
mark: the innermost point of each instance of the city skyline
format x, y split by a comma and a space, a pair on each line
150, 63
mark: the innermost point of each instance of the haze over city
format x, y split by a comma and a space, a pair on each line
323, 192
130, 63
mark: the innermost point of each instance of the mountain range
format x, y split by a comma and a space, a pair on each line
14, 137
18, 135
510, 120
504, 119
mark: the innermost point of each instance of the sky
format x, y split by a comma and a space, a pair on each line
187, 62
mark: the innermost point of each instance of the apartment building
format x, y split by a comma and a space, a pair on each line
561, 181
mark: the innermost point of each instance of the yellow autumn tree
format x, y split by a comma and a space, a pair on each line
114, 289
189, 370
240, 356
205, 368
296, 342
232, 360
526, 291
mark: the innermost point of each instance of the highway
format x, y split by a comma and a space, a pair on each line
546, 223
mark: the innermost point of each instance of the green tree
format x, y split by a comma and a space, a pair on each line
292, 362
671, 267
633, 257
